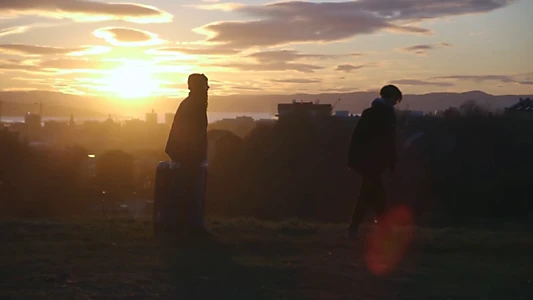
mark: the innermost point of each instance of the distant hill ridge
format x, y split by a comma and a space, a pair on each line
59, 104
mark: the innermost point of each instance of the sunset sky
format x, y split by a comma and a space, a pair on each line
254, 46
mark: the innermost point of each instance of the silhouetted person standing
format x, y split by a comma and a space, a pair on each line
187, 145
372, 152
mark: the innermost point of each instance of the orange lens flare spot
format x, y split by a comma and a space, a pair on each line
389, 240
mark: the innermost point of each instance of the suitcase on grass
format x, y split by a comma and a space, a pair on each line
179, 197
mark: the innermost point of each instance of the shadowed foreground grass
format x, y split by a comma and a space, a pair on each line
119, 259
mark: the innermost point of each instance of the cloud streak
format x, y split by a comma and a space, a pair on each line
15, 65
296, 80
36, 50
285, 55
349, 68
85, 10
483, 78
423, 49
218, 6
60, 66
275, 66
13, 30
279, 60
193, 51
79, 64
121, 36
417, 82
283, 23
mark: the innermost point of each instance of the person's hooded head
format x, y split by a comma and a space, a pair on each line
198, 83
198, 87
391, 94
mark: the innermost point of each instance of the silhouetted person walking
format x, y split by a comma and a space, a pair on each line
187, 145
372, 152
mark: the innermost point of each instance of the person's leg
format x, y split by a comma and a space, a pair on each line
171, 214
363, 202
379, 203
167, 208
196, 199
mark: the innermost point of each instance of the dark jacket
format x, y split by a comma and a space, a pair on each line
187, 141
373, 145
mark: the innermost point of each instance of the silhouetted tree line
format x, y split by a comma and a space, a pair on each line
471, 165
464, 166
480, 166
38, 181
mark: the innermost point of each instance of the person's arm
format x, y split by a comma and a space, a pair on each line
359, 136
173, 143
196, 133
188, 141
393, 150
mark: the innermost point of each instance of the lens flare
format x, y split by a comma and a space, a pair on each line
389, 240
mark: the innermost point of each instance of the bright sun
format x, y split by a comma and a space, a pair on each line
132, 82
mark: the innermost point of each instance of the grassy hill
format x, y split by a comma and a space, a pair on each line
119, 259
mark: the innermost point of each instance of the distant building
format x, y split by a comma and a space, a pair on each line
54, 127
169, 119
134, 122
33, 122
522, 109
304, 108
15, 127
344, 114
134, 125
55, 124
71, 122
6, 133
415, 113
151, 118
404, 113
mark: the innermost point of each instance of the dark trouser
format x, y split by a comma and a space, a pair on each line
371, 196
185, 201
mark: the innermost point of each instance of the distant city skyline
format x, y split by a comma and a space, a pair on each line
213, 117
147, 48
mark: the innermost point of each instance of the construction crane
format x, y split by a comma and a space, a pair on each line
40, 103
336, 103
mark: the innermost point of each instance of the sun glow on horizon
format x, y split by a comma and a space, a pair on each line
132, 82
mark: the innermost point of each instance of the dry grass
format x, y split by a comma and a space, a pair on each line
119, 259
